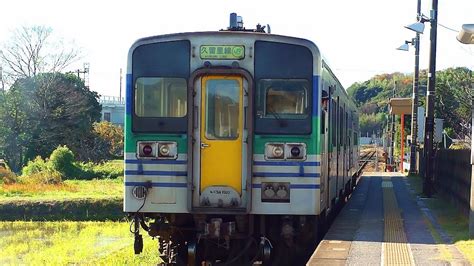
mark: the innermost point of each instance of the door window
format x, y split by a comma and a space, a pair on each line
222, 109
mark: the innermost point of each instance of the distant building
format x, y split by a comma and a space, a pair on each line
113, 109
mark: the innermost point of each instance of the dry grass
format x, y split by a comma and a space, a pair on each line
20, 188
69, 189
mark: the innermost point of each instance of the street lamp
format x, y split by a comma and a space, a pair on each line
466, 35
430, 94
414, 112
419, 28
405, 47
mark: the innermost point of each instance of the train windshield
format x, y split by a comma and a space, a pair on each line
282, 99
160, 97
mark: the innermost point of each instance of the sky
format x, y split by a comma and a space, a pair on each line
357, 37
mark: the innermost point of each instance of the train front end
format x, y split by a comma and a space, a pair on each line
222, 159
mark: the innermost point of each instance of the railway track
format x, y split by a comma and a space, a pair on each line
365, 158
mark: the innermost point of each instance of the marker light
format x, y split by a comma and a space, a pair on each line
296, 151
146, 149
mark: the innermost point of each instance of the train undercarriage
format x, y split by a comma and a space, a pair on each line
204, 239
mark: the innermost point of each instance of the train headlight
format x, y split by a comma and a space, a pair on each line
167, 150
296, 151
274, 151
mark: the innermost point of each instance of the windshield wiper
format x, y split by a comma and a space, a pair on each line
281, 121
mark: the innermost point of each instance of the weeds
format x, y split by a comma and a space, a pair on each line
7, 176
69, 189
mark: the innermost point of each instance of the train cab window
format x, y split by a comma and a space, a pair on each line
284, 99
160, 97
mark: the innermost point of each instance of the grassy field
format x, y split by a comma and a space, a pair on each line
450, 219
65, 243
69, 189
76, 200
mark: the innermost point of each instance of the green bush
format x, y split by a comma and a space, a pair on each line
47, 176
107, 170
62, 160
7, 176
35, 166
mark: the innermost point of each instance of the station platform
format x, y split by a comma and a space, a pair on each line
383, 223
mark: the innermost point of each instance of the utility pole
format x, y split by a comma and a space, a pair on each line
392, 131
471, 202
430, 104
85, 71
414, 111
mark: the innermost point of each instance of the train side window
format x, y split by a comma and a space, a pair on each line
341, 126
323, 121
333, 122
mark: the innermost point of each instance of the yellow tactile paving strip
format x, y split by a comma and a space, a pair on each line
395, 248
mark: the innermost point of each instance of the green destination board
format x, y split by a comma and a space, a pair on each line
222, 52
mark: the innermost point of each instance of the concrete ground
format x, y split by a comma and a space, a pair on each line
383, 223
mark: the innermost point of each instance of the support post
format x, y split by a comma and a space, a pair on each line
471, 201
430, 104
402, 146
414, 112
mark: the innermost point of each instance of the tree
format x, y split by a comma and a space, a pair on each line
33, 50
16, 126
453, 99
46, 111
65, 109
112, 134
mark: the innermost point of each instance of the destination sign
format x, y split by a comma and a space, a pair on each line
222, 52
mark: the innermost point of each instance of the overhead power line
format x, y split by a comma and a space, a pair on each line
448, 28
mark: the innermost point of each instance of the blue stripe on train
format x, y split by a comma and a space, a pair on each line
161, 173
294, 186
267, 174
156, 184
274, 163
132, 161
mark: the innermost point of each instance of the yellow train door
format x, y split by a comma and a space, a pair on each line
221, 130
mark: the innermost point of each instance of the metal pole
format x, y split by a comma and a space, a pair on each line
414, 112
402, 133
430, 103
392, 131
471, 212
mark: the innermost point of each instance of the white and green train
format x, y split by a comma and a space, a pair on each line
238, 144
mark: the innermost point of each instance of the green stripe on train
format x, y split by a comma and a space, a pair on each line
311, 141
131, 138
